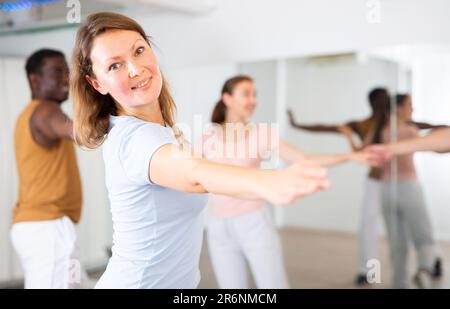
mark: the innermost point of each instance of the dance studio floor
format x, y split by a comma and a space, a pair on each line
318, 259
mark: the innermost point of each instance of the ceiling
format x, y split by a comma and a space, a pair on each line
25, 16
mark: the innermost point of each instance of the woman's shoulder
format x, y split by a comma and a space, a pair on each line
411, 129
129, 121
130, 128
130, 124
404, 131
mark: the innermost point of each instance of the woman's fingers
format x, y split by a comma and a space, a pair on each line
303, 179
372, 158
381, 150
344, 129
297, 181
309, 169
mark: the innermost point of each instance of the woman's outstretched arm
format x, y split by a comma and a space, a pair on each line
291, 154
181, 170
311, 128
425, 125
438, 141
347, 129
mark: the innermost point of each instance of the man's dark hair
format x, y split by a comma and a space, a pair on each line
379, 99
36, 60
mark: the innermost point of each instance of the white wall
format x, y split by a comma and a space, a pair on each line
265, 78
13, 90
250, 30
431, 97
196, 90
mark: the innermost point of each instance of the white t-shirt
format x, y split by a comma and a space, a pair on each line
158, 231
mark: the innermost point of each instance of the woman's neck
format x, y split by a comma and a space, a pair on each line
148, 112
233, 118
232, 126
402, 121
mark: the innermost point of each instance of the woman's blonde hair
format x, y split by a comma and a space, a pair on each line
91, 108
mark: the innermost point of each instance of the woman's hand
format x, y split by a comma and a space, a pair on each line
291, 117
282, 187
384, 151
345, 130
367, 157
348, 132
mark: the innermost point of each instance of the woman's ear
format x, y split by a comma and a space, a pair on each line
96, 85
226, 99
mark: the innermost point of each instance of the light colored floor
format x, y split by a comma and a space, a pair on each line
320, 259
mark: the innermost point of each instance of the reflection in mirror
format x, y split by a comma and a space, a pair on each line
412, 208
371, 217
344, 97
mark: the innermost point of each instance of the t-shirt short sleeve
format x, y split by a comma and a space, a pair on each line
138, 147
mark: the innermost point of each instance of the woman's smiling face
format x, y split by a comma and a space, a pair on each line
125, 67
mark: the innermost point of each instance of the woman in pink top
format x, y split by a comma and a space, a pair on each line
404, 208
241, 231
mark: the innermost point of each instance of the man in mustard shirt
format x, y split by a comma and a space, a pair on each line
50, 198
